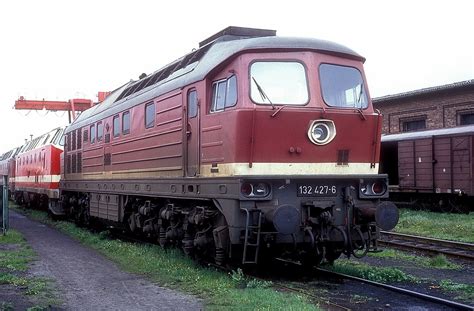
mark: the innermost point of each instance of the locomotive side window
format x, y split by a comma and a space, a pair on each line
224, 94
192, 104
149, 115
116, 126
342, 86
126, 122
100, 131
281, 82
92, 131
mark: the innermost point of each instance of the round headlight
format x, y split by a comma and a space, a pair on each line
321, 132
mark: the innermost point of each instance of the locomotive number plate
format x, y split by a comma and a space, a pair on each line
311, 190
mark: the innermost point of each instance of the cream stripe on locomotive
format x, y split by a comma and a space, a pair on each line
235, 169
39, 178
239, 169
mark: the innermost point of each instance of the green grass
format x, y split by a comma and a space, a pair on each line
18, 254
437, 262
6, 306
463, 291
377, 274
14, 262
171, 268
456, 227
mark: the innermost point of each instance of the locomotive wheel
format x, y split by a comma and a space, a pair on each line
447, 205
131, 222
313, 258
332, 255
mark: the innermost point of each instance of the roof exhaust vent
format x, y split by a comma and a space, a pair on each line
237, 33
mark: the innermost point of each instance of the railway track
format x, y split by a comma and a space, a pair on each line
431, 245
432, 299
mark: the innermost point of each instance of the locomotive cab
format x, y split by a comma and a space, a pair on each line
300, 133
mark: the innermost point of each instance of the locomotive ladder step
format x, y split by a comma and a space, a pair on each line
251, 229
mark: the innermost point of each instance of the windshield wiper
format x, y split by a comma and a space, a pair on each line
262, 93
359, 106
360, 94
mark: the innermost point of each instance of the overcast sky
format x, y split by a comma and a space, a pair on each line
60, 50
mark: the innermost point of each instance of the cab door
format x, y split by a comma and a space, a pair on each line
192, 133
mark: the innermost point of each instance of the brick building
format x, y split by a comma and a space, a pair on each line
430, 108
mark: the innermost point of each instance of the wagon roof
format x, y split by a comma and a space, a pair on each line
467, 129
194, 67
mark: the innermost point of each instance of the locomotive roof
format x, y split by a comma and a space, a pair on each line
467, 129
194, 67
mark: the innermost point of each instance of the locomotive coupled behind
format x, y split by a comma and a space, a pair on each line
252, 144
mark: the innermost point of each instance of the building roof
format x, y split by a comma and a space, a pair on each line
195, 67
425, 91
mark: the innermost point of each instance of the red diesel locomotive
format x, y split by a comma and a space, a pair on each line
252, 144
7, 168
37, 170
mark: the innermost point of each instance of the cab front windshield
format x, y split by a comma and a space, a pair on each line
342, 86
278, 83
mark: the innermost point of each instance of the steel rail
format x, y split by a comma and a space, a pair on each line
452, 248
427, 297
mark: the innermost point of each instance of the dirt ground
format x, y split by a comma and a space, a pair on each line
85, 279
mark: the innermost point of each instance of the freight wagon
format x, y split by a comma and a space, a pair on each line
430, 169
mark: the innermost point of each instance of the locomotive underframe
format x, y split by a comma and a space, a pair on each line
212, 214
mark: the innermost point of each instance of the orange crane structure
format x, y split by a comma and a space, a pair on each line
73, 106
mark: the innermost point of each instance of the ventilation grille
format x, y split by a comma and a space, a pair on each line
343, 157
164, 72
73, 163
107, 159
79, 162
73, 147
68, 164
86, 136
107, 138
79, 139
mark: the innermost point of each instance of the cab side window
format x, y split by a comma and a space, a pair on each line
192, 104
224, 94
116, 126
92, 132
100, 131
149, 115
126, 122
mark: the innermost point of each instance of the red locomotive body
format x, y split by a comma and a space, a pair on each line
7, 168
37, 171
250, 140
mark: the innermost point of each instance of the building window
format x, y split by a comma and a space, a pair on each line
466, 118
126, 122
100, 131
413, 125
224, 94
116, 126
92, 131
149, 115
